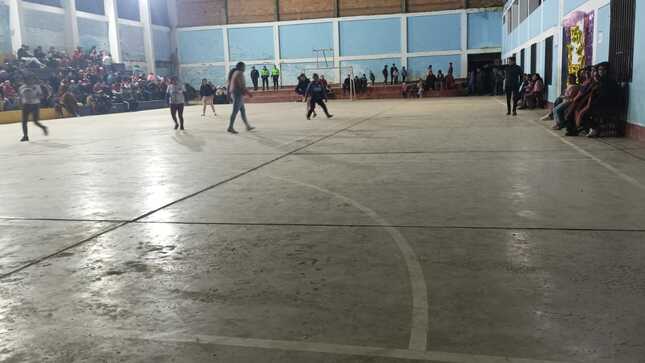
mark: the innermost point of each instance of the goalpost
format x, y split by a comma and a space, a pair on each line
332, 73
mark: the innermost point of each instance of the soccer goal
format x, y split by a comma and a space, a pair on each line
334, 75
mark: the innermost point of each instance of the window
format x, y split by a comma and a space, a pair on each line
159, 12
128, 9
46, 2
91, 6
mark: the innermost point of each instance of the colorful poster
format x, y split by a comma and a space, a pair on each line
578, 40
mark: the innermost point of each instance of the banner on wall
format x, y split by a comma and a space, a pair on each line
578, 40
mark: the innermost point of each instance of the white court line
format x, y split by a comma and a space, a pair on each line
584, 152
420, 319
312, 347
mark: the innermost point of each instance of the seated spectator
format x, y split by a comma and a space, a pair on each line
563, 102
534, 96
525, 87
420, 86
68, 102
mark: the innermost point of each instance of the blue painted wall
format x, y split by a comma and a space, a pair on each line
418, 66
298, 40
56, 3
485, 30
551, 14
366, 37
602, 47
200, 46
194, 75
637, 87
161, 44
91, 6
43, 28
5, 30
571, 5
132, 48
93, 33
375, 65
255, 43
434, 33
291, 71
128, 9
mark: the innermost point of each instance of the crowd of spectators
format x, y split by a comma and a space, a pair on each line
591, 98
80, 78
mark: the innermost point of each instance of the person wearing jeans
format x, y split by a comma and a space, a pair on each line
237, 89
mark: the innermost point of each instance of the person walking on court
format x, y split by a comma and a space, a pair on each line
386, 73
30, 94
264, 73
237, 91
316, 94
255, 76
176, 99
512, 80
404, 74
275, 75
207, 92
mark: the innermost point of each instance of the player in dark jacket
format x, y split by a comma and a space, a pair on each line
316, 94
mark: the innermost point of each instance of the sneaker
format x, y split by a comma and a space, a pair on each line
330, 116
508, 113
250, 128
24, 138
514, 113
46, 131
232, 131
556, 127
176, 126
593, 133
546, 117
181, 128
308, 118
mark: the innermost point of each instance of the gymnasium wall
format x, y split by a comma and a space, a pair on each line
5, 29
43, 28
219, 12
93, 33
365, 43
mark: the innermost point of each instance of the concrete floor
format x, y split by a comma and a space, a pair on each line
435, 230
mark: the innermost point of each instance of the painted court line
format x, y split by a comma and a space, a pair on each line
420, 305
634, 182
313, 347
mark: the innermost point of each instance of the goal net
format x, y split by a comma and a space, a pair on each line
334, 75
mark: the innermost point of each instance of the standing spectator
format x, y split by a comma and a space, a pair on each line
372, 77
420, 87
430, 78
206, 92
386, 73
404, 74
347, 84
30, 94
440, 80
451, 69
275, 75
264, 73
255, 76
175, 93
394, 74
237, 90
472, 80
107, 61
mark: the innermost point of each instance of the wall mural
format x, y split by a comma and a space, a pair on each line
578, 40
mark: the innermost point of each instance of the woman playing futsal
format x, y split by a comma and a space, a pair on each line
237, 90
316, 94
175, 94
